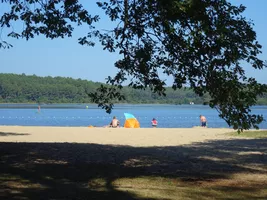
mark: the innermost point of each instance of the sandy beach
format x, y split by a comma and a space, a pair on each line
118, 136
77, 163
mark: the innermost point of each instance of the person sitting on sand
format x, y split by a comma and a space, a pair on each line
203, 121
115, 123
154, 123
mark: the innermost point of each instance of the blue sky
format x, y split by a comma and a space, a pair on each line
66, 58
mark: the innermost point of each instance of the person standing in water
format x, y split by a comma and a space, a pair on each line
154, 123
39, 109
203, 121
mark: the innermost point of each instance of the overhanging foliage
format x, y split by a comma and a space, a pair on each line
200, 43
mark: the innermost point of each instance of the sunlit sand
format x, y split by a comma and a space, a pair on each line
115, 136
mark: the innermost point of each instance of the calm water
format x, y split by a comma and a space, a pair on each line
168, 116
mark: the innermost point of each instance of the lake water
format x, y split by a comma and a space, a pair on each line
168, 116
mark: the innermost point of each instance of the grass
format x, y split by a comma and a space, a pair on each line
153, 188
223, 169
251, 134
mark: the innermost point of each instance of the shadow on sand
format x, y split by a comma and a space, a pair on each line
65, 169
12, 134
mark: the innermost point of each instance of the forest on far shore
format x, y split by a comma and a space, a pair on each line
16, 88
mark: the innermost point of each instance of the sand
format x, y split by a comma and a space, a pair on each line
114, 136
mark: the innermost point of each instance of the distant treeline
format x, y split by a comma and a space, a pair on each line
22, 88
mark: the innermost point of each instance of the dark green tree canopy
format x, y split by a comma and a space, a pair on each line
200, 43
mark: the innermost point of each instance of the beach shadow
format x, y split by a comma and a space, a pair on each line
71, 170
12, 134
